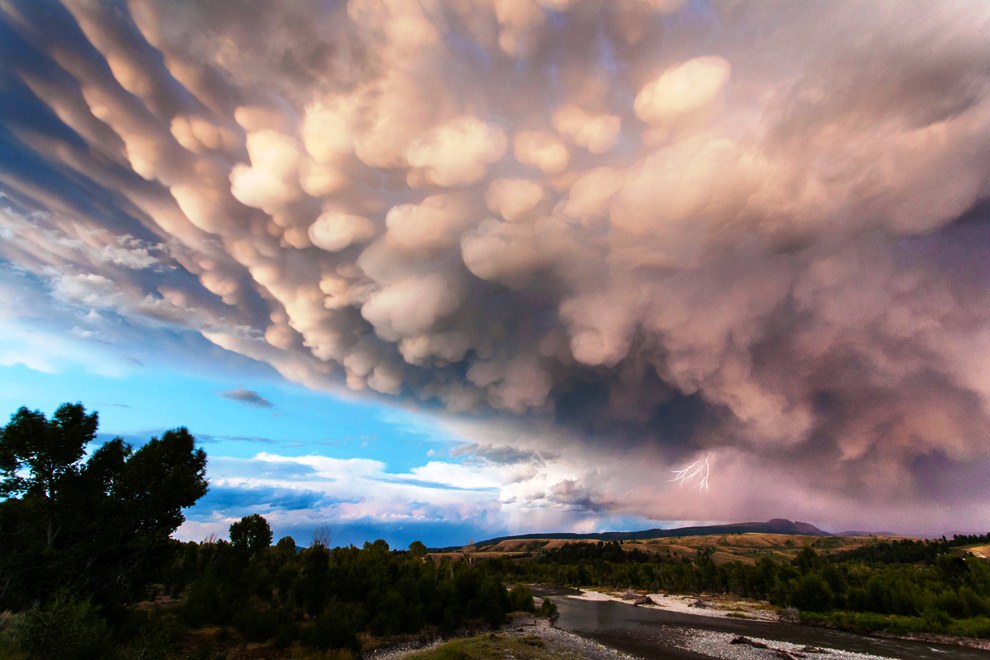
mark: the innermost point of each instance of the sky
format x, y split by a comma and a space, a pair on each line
453, 269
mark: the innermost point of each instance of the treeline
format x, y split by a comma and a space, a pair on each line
579, 553
325, 598
88, 568
907, 551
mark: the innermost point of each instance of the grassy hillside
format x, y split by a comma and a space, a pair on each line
747, 548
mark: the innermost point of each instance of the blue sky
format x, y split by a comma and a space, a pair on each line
451, 270
298, 422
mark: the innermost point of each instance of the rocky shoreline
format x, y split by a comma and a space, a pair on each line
556, 643
544, 640
697, 605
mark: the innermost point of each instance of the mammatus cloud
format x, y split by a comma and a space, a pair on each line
630, 233
250, 397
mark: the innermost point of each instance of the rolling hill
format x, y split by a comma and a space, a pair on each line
774, 526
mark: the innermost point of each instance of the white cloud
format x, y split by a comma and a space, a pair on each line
458, 152
596, 133
335, 231
541, 150
683, 92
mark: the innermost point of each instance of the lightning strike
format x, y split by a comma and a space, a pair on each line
696, 471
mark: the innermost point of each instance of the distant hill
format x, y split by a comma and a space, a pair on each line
775, 526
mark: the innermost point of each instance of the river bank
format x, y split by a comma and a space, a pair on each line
688, 631
527, 638
610, 626
703, 605
722, 606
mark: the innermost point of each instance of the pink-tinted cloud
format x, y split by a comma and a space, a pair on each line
657, 228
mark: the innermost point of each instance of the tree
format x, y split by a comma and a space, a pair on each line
39, 458
251, 534
101, 526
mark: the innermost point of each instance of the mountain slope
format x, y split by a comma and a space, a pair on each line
775, 526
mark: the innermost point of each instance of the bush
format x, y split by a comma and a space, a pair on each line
812, 593
8, 644
521, 599
548, 610
63, 628
259, 624
155, 640
333, 629
790, 615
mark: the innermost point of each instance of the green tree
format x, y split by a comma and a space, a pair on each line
251, 534
812, 593
101, 526
40, 458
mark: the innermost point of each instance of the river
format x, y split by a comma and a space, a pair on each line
656, 633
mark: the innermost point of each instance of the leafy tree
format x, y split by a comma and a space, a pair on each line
99, 526
251, 534
807, 560
39, 458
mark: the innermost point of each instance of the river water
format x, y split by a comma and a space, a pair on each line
655, 633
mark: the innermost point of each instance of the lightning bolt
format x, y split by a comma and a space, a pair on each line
696, 471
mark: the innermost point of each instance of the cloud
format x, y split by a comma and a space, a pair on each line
334, 231
682, 92
542, 151
249, 397
499, 454
626, 231
596, 133
458, 152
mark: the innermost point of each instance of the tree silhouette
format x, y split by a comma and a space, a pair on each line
100, 527
39, 458
251, 534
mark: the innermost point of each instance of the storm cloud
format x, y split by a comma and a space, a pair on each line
626, 234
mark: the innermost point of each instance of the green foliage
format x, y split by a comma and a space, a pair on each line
47, 451
812, 593
547, 610
807, 560
945, 593
327, 597
251, 534
100, 527
64, 628
908, 551
586, 553
335, 628
521, 599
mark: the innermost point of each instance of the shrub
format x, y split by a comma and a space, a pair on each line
521, 599
548, 610
790, 615
63, 628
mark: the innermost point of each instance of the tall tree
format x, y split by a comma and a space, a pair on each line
40, 458
251, 534
101, 525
